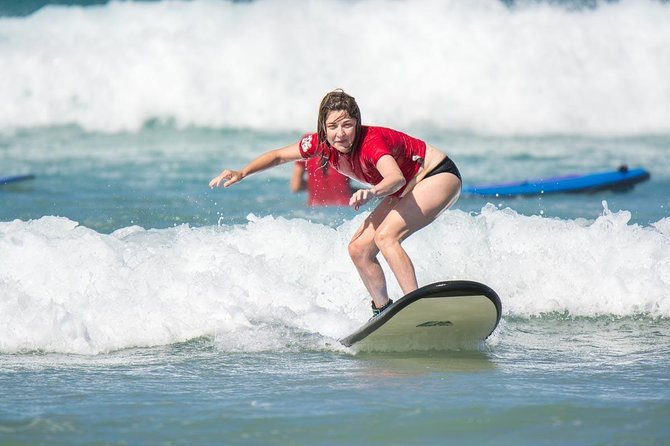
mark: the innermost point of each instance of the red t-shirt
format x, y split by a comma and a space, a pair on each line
374, 142
325, 185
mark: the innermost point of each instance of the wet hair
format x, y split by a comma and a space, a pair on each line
338, 100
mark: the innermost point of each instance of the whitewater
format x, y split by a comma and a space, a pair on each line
67, 288
477, 66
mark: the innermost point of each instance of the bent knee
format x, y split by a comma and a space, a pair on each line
385, 238
359, 252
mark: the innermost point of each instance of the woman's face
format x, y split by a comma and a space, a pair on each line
340, 131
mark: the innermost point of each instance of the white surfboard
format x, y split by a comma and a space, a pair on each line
452, 315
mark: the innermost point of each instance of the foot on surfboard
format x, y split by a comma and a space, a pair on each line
377, 311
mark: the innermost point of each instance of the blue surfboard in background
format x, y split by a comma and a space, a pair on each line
15, 179
620, 180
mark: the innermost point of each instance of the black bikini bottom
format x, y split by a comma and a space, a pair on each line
446, 165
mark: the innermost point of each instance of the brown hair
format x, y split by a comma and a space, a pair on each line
338, 100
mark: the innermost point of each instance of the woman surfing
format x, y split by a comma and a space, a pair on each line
414, 180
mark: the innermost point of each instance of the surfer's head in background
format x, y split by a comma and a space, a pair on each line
339, 121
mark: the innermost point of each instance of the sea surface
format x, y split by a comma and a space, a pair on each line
137, 306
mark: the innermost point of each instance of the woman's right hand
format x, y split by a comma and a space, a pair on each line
232, 177
360, 197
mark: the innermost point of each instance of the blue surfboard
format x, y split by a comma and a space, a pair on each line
15, 179
620, 180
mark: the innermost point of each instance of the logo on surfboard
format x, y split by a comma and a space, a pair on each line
436, 324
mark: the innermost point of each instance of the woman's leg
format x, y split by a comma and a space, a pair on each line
412, 212
363, 251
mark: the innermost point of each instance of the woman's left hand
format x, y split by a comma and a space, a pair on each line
360, 197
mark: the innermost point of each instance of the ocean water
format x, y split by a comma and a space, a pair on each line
137, 306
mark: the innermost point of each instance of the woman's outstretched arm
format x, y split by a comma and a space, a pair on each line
265, 161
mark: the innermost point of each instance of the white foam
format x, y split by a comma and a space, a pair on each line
474, 65
281, 284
